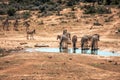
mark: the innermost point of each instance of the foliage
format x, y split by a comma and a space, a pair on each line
2, 12
11, 11
88, 9
119, 30
26, 15
119, 5
102, 10
1, 50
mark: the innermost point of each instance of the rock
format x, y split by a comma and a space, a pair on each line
49, 57
70, 58
41, 45
115, 63
110, 61
23, 43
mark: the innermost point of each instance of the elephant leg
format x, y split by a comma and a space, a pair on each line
74, 45
97, 44
60, 45
82, 45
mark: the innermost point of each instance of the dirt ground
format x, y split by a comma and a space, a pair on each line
60, 66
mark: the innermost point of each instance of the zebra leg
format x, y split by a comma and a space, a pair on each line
27, 37
7, 27
3, 27
32, 37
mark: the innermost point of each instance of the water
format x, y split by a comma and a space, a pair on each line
78, 51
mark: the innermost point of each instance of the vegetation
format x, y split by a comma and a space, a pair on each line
11, 11
90, 9
1, 51
48, 7
26, 15
119, 30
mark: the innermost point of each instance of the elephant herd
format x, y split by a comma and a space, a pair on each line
87, 41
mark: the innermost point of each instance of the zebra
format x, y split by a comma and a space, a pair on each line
6, 25
30, 34
16, 25
27, 25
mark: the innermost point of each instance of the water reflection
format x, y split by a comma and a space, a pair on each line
77, 51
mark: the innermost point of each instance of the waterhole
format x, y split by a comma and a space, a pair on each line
70, 51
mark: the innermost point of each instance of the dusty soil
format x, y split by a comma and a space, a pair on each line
61, 66
50, 66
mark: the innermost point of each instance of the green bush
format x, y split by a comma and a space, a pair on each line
2, 12
88, 9
1, 50
119, 30
119, 5
102, 10
11, 11
26, 14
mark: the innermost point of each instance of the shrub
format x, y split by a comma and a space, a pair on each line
11, 11
2, 12
107, 20
102, 10
1, 50
26, 14
119, 30
119, 5
88, 9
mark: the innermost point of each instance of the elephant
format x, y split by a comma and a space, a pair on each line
74, 41
67, 34
64, 41
94, 41
84, 43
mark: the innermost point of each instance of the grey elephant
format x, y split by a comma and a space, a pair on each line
65, 32
94, 41
63, 41
74, 41
84, 43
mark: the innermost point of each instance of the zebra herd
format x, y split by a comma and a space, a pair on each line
6, 25
87, 41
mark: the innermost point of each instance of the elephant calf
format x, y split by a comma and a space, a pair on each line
74, 41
